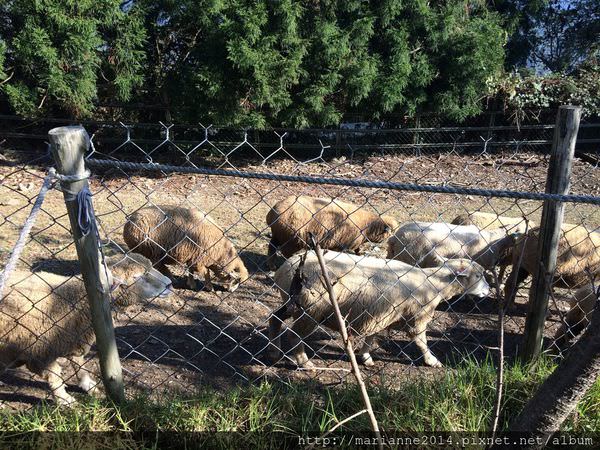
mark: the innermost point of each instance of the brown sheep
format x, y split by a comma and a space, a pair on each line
337, 225
582, 305
45, 316
169, 235
577, 260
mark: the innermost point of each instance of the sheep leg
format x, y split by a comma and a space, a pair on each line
52, 375
420, 339
162, 268
275, 323
520, 275
207, 280
491, 280
302, 327
575, 322
86, 382
364, 355
501, 275
271, 254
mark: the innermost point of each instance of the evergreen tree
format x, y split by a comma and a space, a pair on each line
301, 64
250, 62
55, 51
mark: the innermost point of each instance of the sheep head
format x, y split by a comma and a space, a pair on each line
470, 275
505, 248
133, 278
232, 274
381, 228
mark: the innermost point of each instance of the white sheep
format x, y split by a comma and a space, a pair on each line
373, 293
430, 244
45, 316
490, 221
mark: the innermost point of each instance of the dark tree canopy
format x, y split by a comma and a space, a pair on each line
58, 56
565, 35
260, 63
304, 64
520, 18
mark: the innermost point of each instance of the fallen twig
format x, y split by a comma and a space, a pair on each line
347, 343
530, 162
338, 369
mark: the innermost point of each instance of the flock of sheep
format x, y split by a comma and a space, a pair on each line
45, 317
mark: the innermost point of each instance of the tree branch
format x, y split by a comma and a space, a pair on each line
7, 79
347, 342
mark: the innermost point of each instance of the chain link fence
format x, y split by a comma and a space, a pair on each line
220, 337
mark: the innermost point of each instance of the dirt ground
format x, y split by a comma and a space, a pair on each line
197, 338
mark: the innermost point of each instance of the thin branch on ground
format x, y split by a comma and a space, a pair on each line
335, 369
347, 342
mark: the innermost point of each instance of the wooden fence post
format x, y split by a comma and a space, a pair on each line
68, 146
338, 140
416, 136
557, 182
491, 125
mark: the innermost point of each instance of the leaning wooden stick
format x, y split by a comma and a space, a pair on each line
503, 305
512, 293
347, 342
500, 374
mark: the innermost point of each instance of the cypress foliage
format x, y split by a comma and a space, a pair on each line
58, 53
250, 62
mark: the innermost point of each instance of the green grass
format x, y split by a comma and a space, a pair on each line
461, 399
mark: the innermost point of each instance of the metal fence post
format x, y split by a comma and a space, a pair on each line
68, 146
557, 182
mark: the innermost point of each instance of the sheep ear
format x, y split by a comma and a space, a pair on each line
511, 240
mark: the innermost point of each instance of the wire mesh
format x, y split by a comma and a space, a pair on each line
197, 336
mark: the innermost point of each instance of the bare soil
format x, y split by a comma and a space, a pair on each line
198, 338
